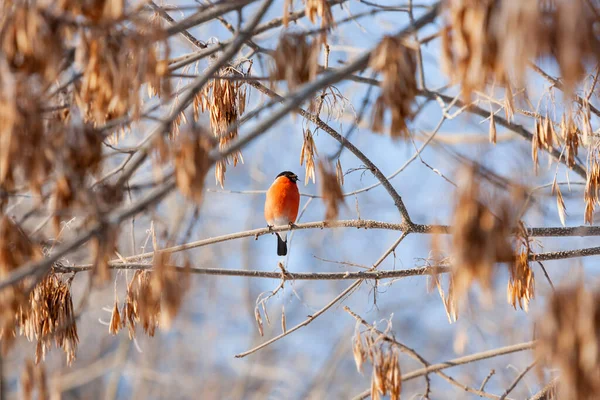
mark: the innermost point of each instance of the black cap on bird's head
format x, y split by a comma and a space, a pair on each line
290, 175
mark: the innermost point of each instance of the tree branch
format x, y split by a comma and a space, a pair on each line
288, 276
459, 361
371, 224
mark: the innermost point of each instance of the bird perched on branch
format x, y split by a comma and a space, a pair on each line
281, 206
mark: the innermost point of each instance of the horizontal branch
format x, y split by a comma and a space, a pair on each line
371, 224
360, 223
469, 359
561, 255
288, 276
291, 276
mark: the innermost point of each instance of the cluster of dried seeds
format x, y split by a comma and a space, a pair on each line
50, 317
321, 9
480, 234
398, 65
592, 186
153, 298
141, 306
192, 162
115, 67
372, 346
225, 100
78, 152
545, 136
94, 10
15, 250
568, 335
470, 49
171, 285
521, 283
489, 41
481, 238
295, 60
22, 133
32, 42
330, 190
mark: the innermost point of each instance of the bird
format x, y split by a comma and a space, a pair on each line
281, 206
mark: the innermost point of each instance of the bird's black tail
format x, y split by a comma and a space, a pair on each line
281, 247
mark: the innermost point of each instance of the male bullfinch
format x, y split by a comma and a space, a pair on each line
281, 206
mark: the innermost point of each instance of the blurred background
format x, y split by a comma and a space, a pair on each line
195, 357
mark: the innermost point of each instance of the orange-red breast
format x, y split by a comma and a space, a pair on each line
281, 206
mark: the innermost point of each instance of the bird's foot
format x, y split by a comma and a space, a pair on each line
270, 228
292, 225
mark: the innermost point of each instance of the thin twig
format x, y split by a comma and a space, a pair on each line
516, 381
487, 378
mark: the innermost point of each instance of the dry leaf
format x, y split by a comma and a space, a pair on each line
339, 173
116, 323
307, 154
560, 203
259, 321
